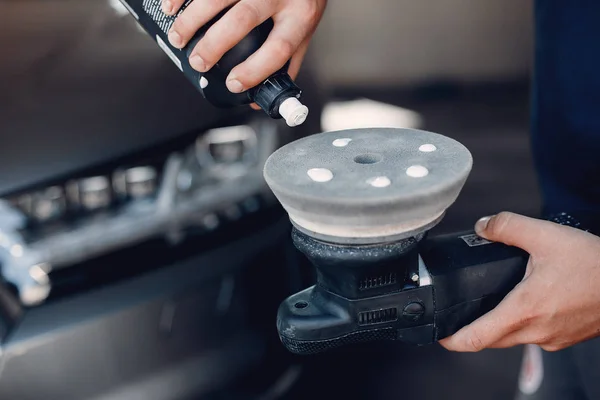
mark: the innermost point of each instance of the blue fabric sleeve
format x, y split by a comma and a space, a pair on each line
566, 103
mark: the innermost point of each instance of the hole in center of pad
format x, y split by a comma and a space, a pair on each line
301, 304
368, 159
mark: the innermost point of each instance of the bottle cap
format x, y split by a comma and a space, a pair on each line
293, 111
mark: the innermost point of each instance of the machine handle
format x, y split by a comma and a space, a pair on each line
316, 320
462, 278
470, 276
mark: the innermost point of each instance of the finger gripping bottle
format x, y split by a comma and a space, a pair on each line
278, 96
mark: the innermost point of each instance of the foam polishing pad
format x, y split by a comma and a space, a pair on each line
368, 185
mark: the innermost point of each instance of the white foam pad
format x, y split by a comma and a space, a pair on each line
368, 185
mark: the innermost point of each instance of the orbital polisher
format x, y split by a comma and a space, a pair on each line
361, 203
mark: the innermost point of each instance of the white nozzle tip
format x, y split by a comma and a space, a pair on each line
294, 112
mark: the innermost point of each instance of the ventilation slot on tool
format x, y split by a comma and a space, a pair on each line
373, 282
377, 316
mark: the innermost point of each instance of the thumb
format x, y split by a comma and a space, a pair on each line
512, 229
298, 58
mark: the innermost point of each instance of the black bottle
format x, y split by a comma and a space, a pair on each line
278, 96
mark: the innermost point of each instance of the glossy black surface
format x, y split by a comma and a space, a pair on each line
187, 329
82, 85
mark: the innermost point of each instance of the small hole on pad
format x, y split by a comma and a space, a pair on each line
320, 174
341, 142
301, 304
427, 148
417, 171
379, 181
368, 159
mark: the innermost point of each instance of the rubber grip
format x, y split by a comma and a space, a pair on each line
308, 347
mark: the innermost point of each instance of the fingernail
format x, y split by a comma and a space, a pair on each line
174, 38
235, 86
198, 63
482, 224
168, 7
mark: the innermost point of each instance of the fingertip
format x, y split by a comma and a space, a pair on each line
514, 230
481, 225
298, 59
239, 80
457, 342
198, 63
175, 39
446, 343
294, 71
259, 66
167, 7
234, 85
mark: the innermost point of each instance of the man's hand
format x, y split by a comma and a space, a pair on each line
556, 305
295, 21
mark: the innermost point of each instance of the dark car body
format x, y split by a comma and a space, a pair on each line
181, 315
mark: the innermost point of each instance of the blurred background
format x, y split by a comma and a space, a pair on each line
141, 254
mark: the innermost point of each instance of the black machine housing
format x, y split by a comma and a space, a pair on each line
417, 291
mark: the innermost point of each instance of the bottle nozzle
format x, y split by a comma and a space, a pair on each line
293, 111
279, 97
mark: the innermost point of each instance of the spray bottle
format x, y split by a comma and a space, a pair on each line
278, 96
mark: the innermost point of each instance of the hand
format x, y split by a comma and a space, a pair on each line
294, 24
556, 305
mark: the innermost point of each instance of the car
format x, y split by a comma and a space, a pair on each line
141, 253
